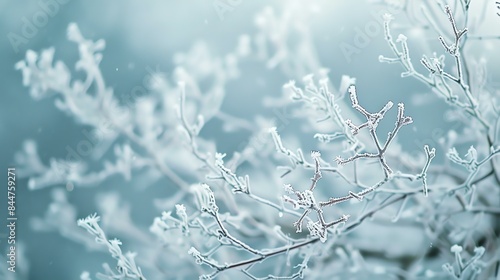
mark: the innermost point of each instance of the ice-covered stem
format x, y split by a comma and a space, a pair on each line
399, 195
167, 222
239, 184
438, 77
430, 154
297, 158
242, 185
403, 56
454, 50
307, 201
372, 120
216, 164
299, 274
371, 124
319, 96
472, 164
192, 130
317, 171
207, 204
281, 250
359, 195
461, 270
206, 201
126, 265
224, 233
90, 108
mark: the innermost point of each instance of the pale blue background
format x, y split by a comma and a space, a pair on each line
148, 33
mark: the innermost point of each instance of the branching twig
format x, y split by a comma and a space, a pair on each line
372, 120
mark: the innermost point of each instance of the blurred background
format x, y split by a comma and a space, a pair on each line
145, 35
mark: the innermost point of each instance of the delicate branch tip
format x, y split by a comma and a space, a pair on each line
315, 155
387, 17
353, 95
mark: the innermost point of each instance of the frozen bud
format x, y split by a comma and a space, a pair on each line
196, 254
345, 82
456, 249
387, 17
407, 120
339, 160
315, 154
401, 38
46, 58
31, 57
219, 159
316, 229
453, 155
308, 198
479, 251
288, 199
206, 199
353, 95
472, 154
181, 210
74, 33
430, 152
308, 79
401, 112
290, 84
386, 108
288, 188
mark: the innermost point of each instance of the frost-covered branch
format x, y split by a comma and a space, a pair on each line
99, 109
372, 120
206, 202
319, 96
127, 269
472, 164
